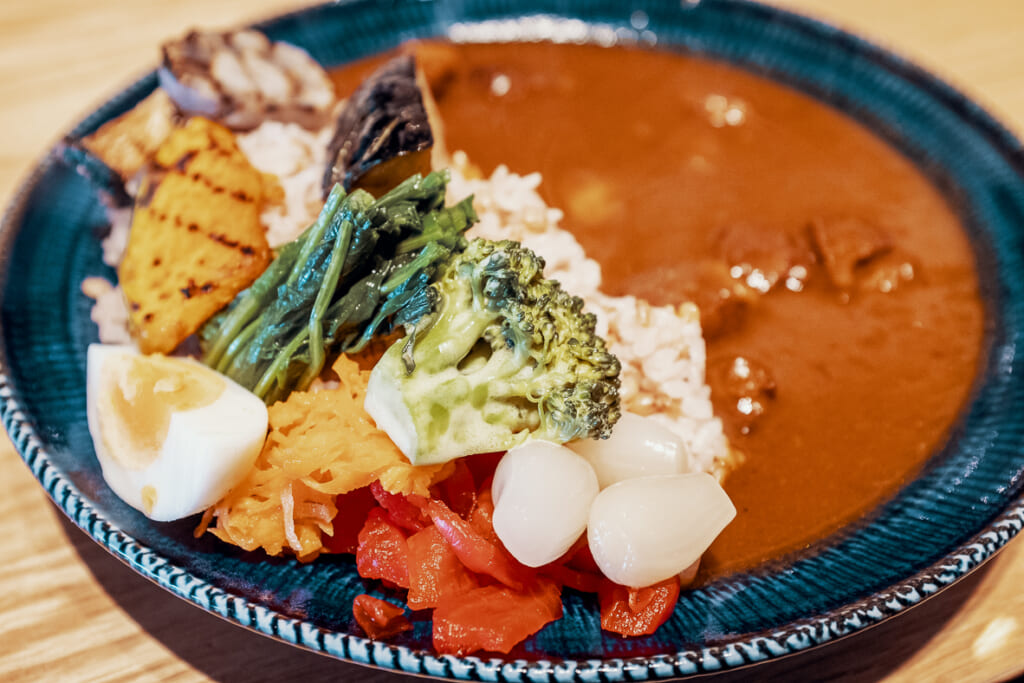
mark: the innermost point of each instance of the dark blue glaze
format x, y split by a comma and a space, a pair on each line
957, 514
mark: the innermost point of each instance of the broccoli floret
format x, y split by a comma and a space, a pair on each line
505, 356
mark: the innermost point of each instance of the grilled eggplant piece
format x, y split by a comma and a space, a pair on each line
241, 78
384, 132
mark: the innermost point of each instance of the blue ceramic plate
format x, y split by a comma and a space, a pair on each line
954, 516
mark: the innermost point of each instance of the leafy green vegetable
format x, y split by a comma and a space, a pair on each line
507, 355
363, 267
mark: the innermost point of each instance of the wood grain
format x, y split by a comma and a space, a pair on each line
71, 612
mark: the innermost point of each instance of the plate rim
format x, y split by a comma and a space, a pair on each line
747, 650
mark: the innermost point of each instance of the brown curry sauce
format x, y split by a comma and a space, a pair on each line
678, 174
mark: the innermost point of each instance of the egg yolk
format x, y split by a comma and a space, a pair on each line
142, 392
149, 498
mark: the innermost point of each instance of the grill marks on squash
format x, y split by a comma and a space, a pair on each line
196, 238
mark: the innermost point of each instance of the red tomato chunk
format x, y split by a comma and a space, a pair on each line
353, 508
474, 550
383, 552
401, 512
445, 551
378, 618
435, 572
495, 618
637, 611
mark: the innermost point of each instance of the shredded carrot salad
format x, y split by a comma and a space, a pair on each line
321, 444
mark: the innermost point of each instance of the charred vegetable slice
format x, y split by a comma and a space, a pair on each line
241, 78
128, 142
383, 133
196, 238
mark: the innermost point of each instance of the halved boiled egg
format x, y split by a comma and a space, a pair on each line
172, 436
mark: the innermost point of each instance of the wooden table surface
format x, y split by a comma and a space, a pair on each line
70, 612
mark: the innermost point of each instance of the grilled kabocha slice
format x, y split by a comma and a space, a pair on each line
196, 238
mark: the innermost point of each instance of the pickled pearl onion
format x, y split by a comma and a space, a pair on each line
638, 447
645, 530
542, 495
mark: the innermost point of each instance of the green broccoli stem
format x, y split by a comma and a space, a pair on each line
452, 334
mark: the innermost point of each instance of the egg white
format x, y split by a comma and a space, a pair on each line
206, 452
